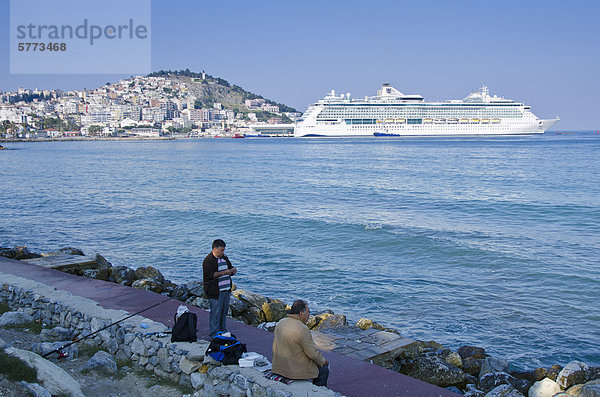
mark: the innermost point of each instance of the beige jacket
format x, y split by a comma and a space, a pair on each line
295, 355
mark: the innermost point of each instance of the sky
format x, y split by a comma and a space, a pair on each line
544, 53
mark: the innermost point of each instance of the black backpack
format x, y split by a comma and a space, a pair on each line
225, 349
184, 329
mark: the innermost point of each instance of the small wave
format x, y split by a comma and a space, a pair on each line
373, 226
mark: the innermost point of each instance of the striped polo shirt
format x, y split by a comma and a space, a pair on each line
224, 281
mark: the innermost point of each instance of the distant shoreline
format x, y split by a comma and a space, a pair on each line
141, 138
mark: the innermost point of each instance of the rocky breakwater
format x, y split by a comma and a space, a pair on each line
138, 341
469, 370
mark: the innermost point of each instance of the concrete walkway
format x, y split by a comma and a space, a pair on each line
349, 376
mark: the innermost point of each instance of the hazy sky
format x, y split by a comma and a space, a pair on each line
545, 53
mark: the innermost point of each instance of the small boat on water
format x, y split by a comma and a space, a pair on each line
238, 136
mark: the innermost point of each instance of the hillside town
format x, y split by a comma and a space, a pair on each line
163, 104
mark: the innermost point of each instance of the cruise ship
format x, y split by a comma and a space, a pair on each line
392, 113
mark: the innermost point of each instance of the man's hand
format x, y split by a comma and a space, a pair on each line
326, 362
232, 271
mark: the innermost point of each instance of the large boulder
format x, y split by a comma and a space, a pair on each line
504, 390
365, 323
471, 351
102, 263
56, 334
492, 380
451, 357
553, 372
472, 391
237, 306
573, 373
148, 284
149, 272
54, 379
472, 366
122, 275
332, 321
250, 298
434, 370
103, 362
491, 364
18, 253
252, 316
544, 388
196, 288
274, 310
15, 318
180, 292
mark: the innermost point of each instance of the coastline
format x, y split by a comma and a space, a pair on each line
463, 370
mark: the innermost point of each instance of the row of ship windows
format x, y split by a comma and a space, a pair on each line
420, 114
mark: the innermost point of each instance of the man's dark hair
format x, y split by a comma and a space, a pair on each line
298, 307
219, 243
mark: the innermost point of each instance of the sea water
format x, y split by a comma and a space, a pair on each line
488, 241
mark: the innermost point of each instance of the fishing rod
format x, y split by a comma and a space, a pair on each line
76, 340
59, 350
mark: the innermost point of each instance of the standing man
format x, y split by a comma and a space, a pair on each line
217, 272
295, 355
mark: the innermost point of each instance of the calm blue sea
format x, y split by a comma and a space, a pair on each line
484, 241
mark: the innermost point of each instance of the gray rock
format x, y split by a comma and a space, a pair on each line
198, 379
492, 380
56, 334
436, 371
102, 263
252, 316
102, 361
590, 391
149, 285
15, 318
149, 272
180, 292
471, 351
163, 359
335, 320
36, 390
544, 388
2, 344
188, 366
491, 364
250, 298
220, 373
504, 391
472, 391
237, 306
235, 391
196, 288
573, 373
472, 366
122, 275
56, 380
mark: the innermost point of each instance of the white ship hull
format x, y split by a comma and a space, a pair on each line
507, 128
392, 113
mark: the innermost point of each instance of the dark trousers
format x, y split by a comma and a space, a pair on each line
321, 379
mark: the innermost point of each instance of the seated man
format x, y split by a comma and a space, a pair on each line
295, 355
